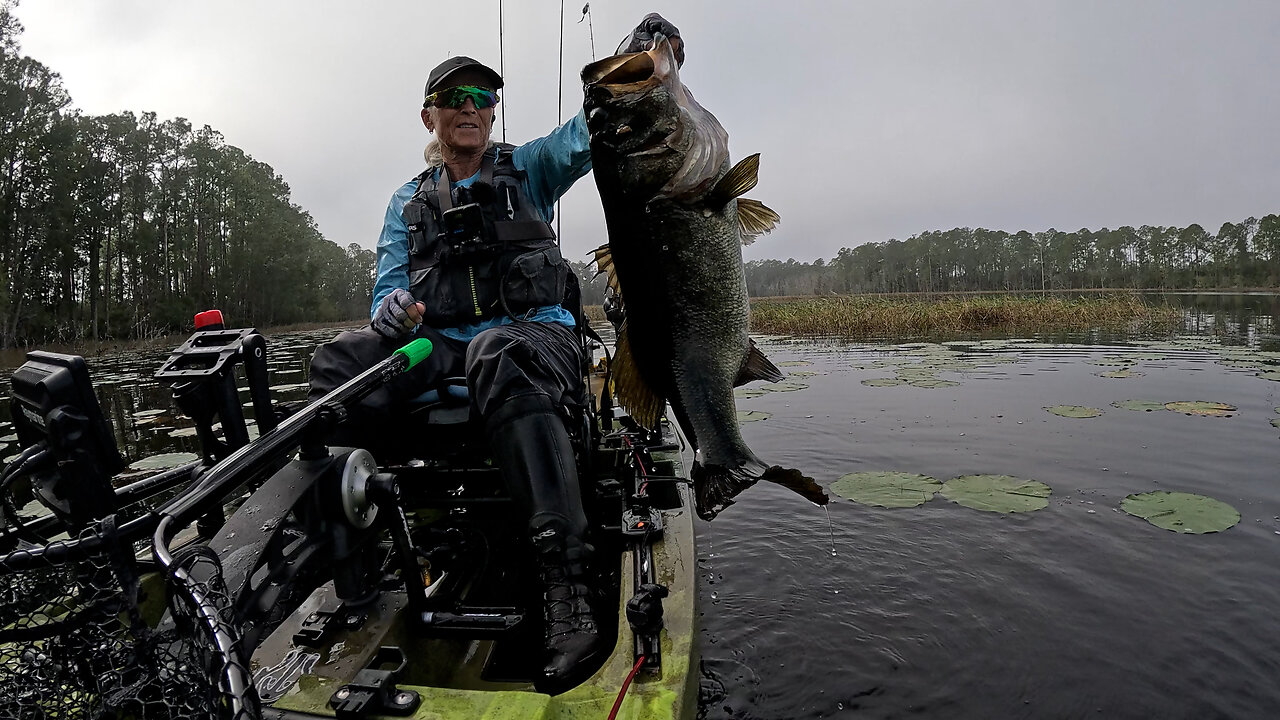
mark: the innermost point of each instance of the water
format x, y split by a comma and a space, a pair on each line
942, 611
1077, 610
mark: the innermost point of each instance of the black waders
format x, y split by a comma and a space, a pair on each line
531, 445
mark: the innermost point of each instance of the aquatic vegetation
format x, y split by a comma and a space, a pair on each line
752, 415
793, 363
884, 382
163, 461
1139, 405
997, 493
1181, 512
1270, 375
1126, 373
1197, 407
744, 393
1074, 411
886, 489
784, 386
896, 316
931, 383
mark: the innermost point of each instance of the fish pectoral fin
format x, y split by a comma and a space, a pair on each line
757, 367
755, 219
635, 396
740, 179
603, 257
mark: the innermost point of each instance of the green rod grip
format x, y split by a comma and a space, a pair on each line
416, 351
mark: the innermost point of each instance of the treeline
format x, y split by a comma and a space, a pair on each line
123, 226
1245, 254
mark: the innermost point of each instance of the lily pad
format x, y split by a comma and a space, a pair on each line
1126, 373
997, 493
183, 432
931, 383
1275, 422
784, 386
148, 413
801, 373
1245, 364
1074, 411
1139, 405
749, 392
883, 382
793, 363
886, 489
1206, 409
9, 438
752, 415
1181, 512
163, 461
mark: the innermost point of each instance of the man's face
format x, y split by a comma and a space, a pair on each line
463, 128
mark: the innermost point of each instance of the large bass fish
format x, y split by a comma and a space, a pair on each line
676, 229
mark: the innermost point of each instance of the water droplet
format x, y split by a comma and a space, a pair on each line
831, 529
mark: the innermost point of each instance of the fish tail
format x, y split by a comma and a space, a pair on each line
715, 486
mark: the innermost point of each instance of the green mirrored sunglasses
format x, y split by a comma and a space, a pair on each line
454, 97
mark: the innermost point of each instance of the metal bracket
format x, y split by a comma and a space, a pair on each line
374, 691
322, 623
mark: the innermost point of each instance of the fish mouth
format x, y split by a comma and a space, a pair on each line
637, 68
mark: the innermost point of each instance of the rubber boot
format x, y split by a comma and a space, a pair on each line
532, 448
573, 640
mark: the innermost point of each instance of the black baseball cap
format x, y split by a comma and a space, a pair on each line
442, 72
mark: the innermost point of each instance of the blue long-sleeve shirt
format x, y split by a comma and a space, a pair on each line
551, 165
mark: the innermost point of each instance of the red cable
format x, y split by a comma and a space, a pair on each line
625, 684
639, 464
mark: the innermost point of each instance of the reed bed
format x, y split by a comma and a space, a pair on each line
870, 316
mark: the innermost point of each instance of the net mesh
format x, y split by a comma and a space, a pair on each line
100, 636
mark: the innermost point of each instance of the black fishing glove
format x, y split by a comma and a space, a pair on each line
392, 320
642, 37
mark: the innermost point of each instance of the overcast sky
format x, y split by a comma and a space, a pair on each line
874, 119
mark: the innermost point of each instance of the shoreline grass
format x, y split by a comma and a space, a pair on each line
878, 316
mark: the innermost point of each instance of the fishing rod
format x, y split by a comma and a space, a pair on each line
502, 67
560, 105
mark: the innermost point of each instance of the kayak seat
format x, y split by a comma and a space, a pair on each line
447, 404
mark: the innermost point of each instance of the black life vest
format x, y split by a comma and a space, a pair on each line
498, 258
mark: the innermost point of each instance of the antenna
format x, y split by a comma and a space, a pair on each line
502, 68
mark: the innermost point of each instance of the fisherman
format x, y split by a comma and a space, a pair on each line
467, 258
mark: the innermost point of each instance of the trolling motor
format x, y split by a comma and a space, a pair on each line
202, 372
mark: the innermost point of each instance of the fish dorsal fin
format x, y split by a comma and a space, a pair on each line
755, 219
757, 367
637, 398
740, 179
603, 256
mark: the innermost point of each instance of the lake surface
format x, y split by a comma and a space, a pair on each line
1076, 610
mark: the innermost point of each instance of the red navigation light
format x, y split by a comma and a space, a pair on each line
209, 320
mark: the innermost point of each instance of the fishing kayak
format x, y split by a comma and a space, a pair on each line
293, 579
471, 673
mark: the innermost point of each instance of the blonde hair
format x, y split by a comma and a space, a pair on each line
432, 153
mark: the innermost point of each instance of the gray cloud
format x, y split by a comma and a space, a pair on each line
875, 119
